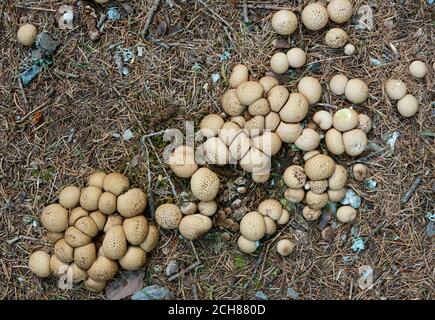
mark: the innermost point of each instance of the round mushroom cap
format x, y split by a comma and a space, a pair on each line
268, 82
407, 106
151, 240
188, 208
133, 259
89, 198
182, 161
87, 226
310, 154
107, 203
239, 120
239, 74
99, 219
103, 269
69, 197
294, 195
54, 218
114, 244
254, 126
231, 104
75, 238
345, 119
240, 146
115, 183
285, 217
319, 167
111, 222
294, 177
168, 216
336, 195
395, 88
346, 214
249, 91
135, 229
132, 203
289, 132
216, 152
270, 225
296, 57
365, 124
271, 121
340, 11
210, 125
336, 38
26, 34
314, 16
284, 22
93, 285
54, 236
279, 63
271, 208
96, 179
39, 264
349, 49
308, 140
323, 119
355, 142
194, 226
319, 186
338, 83
246, 245
295, 109
229, 132
334, 141
63, 251
285, 247
277, 97
85, 256
76, 214
252, 226
338, 179
316, 201
356, 91
78, 274
255, 161
261, 177
207, 208
204, 184
57, 267
259, 107
359, 171
311, 214
310, 87
269, 143
418, 69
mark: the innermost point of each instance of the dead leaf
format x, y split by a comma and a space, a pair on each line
127, 284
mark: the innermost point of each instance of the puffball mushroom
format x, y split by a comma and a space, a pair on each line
85, 256
284, 22
365, 124
336, 195
168, 216
259, 107
271, 208
107, 203
338, 179
96, 179
294, 177
359, 172
89, 198
395, 88
311, 214
131, 203
336, 38
111, 222
133, 259
314, 16
268, 82
182, 161
63, 251
407, 106
252, 226
87, 226
356, 91
207, 208
294, 195
255, 161
231, 104
261, 177
54, 236
334, 141
114, 244
151, 240
135, 229
349, 49
338, 83
269, 143
26, 34
75, 238
285, 247
310, 154
239, 120
355, 142
57, 267
103, 269
296, 57
319, 167
210, 125
254, 126
340, 11
271, 121
54, 218
310, 87
194, 226
279, 63
240, 146
246, 245
216, 152
289, 132
39, 264
323, 119
239, 74
285, 217
319, 186
78, 274
93, 285
204, 184
308, 140
249, 91
270, 225
277, 97
229, 132
188, 208
316, 201
417, 69
345, 119
295, 109
346, 214
115, 183
69, 197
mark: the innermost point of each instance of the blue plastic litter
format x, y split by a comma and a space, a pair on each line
392, 138
430, 216
215, 77
261, 295
154, 292
371, 184
358, 244
113, 13
430, 2
291, 293
196, 67
351, 198
375, 62
224, 56
29, 74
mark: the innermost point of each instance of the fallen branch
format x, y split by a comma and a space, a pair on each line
184, 271
150, 16
412, 189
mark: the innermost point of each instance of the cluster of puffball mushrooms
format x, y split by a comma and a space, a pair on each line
95, 231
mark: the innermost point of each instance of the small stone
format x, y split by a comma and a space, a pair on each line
225, 236
220, 217
239, 213
171, 268
328, 234
228, 210
46, 42
236, 204
240, 181
241, 190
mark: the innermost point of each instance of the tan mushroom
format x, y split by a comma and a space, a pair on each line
114, 244
85, 256
346, 214
285, 247
294, 177
259, 107
336, 38
249, 91
204, 184
231, 104
345, 119
289, 132
216, 152
340, 11
295, 109
314, 16
296, 57
240, 146
277, 97
407, 106
151, 240
269, 143
103, 269
316, 201
135, 229
69, 197
96, 179
319, 186
133, 259
252, 226
311, 214
239, 74
338, 179
131, 203
115, 183
207, 208
319, 167
336, 195
365, 124
195, 226
168, 216
355, 142
210, 125
338, 83
279, 63
271, 121
323, 119
182, 161
107, 203
268, 83
418, 69
294, 195
271, 208
356, 91
54, 218
246, 245
310, 87
359, 171
334, 142
284, 22
308, 140
395, 88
